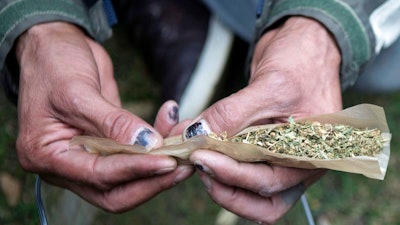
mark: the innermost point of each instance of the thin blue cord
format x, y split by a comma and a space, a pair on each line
307, 210
43, 219
39, 203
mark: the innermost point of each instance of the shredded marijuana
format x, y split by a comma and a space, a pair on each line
315, 140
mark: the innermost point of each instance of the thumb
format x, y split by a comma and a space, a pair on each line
94, 115
231, 114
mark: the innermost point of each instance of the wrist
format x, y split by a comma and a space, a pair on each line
299, 36
317, 34
42, 34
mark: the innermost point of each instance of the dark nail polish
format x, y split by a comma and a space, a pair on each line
144, 138
203, 168
199, 167
198, 128
174, 114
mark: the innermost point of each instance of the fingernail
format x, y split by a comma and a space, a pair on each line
184, 172
198, 128
164, 170
203, 168
144, 137
291, 195
173, 114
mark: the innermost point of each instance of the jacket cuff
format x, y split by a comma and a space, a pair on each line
339, 18
18, 16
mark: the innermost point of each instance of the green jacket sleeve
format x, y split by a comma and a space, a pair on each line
17, 16
350, 21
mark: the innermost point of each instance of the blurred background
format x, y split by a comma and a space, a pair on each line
338, 198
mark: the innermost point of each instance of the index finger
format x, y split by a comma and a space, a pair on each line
260, 178
105, 172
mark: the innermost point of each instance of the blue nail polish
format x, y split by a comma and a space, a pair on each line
174, 114
144, 137
196, 129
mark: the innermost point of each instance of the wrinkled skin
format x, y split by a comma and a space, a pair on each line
294, 72
67, 88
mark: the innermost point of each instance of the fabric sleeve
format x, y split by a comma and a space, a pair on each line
17, 16
349, 21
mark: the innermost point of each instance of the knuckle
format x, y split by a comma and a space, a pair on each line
224, 115
101, 184
100, 176
117, 124
111, 205
26, 157
272, 218
228, 199
67, 96
164, 184
268, 218
67, 90
268, 189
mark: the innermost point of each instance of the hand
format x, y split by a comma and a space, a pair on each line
294, 72
66, 89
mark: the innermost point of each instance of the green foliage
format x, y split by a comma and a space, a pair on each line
25, 211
